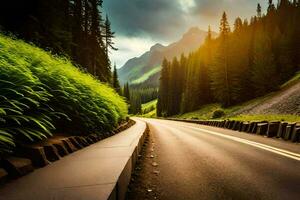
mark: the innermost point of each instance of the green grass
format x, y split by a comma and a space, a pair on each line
149, 109
151, 114
206, 113
41, 94
287, 118
147, 75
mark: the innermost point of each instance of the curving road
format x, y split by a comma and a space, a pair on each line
200, 162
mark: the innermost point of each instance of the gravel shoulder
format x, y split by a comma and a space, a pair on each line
143, 184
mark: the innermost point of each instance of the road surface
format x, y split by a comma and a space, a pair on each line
200, 162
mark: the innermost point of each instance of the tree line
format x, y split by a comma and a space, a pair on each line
72, 28
138, 96
251, 60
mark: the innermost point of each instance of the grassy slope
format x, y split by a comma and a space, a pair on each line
37, 88
206, 112
149, 109
147, 75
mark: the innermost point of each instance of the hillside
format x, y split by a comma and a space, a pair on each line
42, 94
149, 109
286, 101
281, 105
146, 68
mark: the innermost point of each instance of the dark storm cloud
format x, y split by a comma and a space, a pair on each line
156, 18
167, 19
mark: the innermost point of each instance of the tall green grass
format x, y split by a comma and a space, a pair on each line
41, 94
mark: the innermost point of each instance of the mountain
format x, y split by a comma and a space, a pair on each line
145, 69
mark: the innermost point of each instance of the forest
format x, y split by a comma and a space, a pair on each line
244, 62
75, 29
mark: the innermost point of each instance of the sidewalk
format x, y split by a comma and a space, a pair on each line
99, 172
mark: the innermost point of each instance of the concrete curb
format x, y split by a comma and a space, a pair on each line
282, 130
50, 151
119, 192
101, 171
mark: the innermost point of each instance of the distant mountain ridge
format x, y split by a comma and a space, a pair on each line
145, 69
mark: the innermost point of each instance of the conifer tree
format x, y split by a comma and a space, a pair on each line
108, 35
126, 92
162, 104
264, 65
271, 7
258, 10
238, 25
221, 76
115, 80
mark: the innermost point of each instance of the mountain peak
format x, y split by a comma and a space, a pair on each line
157, 47
194, 31
144, 70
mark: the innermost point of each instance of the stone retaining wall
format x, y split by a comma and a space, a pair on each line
28, 157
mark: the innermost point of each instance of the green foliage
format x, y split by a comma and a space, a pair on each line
205, 112
149, 107
146, 76
74, 28
40, 93
218, 114
135, 104
115, 81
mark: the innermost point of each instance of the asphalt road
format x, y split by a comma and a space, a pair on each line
201, 162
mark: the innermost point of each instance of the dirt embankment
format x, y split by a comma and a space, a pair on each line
286, 102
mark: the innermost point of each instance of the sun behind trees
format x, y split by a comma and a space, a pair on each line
250, 61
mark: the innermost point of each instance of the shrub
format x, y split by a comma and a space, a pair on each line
40, 92
218, 114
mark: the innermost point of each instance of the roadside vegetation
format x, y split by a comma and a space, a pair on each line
42, 94
207, 113
241, 111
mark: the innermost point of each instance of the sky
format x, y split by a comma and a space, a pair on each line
139, 24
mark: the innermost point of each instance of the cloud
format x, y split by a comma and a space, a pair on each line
167, 20
129, 47
155, 18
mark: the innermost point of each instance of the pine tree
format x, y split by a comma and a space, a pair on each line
221, 76
238, 25
258, 10
264, 65
271, 7
126, 92
209, 35
135, 104
162, 104
115, 80
108, 35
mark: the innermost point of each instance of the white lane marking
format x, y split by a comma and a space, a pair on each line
282, 152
